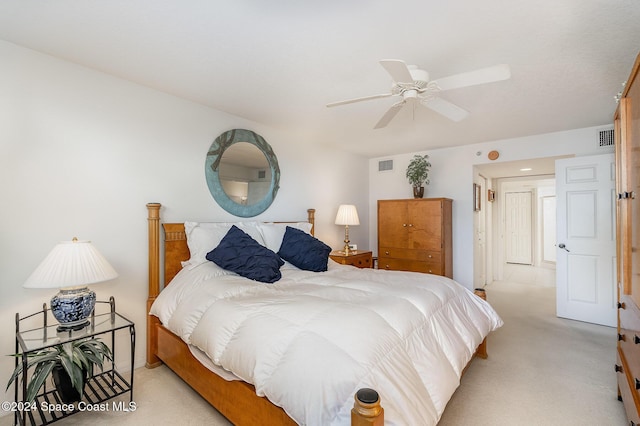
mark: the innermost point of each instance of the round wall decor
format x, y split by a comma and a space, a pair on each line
242, 172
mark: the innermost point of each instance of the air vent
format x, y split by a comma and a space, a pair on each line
385, 165
262, 174
606, 138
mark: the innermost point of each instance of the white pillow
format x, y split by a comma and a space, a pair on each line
273, 233
202, 237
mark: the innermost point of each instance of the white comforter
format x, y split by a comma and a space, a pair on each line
311, 340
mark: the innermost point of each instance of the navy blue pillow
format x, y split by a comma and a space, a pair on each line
240, 253
304, 251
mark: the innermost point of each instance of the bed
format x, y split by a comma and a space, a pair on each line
298, 350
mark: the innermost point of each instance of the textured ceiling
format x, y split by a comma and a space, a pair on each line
279, 63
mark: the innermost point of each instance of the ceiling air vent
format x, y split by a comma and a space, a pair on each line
605, 138
385, 165
262, 174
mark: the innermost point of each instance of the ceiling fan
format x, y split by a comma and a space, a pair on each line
412, 85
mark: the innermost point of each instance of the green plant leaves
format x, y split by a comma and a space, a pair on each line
75, 357
40, 374
418, 170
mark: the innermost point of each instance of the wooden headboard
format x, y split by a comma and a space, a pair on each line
176, 250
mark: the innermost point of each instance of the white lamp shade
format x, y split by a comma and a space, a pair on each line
347, 215
70, 264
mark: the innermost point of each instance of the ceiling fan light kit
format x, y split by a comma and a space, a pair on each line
413, 86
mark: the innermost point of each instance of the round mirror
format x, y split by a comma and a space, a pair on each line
242, 172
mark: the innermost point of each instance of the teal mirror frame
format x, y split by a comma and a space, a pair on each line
212, 163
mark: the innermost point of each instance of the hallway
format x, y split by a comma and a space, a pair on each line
527, 274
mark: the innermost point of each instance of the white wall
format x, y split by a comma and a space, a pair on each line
81, 153
452, 177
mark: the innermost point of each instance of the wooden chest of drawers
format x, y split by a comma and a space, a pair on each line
628, 358
415, 235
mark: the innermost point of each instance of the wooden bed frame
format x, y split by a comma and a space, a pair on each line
236, 400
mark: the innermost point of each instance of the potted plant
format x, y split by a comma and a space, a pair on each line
69, 363
418, 174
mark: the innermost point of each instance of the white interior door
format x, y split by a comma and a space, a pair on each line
480, 250
585, 190
518, 227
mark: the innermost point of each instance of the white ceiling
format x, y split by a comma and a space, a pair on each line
280, 62
539, 167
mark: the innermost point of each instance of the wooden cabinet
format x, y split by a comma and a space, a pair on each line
415, 235
627, 139
357, 258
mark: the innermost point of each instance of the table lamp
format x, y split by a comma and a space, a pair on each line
70, 267
347, 215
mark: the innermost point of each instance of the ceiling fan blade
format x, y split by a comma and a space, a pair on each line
472, 78
366, 98
388, 116
398, 70
446, 108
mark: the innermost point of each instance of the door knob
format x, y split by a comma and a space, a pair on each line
562, 246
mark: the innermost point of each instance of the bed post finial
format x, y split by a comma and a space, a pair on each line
366, 409
311, 218
153, 218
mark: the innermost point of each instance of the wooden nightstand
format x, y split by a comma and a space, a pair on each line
357, 258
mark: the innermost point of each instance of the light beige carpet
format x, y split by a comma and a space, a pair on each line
541, 371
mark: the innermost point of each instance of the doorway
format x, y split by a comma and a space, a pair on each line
521, 222
581, 252
528, 187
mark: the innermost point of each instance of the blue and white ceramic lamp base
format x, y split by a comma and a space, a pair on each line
72, 307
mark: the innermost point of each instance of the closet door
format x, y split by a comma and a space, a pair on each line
424, 219
392, 223
518, 227
623, 206
633, 192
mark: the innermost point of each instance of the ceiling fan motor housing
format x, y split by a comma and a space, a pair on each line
420, 78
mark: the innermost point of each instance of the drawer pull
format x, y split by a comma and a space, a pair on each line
636, 339
622, 338
404, 225
621, 305
618, 368
386, 252
429, 256
386, 267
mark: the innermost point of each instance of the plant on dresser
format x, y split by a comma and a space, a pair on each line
415, 235
418, 174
